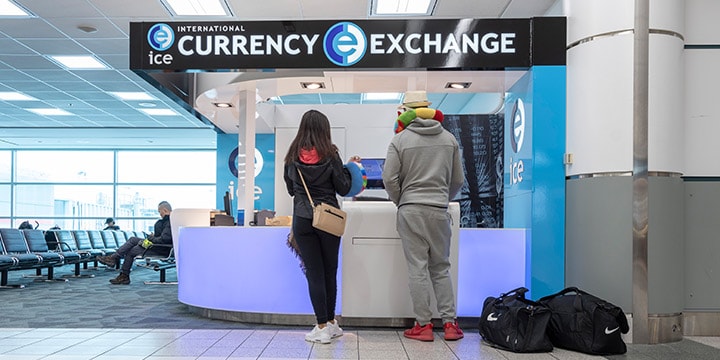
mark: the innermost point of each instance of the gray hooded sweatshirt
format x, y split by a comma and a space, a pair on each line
423, 165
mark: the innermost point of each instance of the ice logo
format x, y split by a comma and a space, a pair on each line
345, 44
518, 125
161, 37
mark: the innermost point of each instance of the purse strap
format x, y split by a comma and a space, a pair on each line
306, 188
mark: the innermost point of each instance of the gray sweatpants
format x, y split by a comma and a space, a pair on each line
425, 232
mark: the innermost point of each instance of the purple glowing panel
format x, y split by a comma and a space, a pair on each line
248, 269
490, 262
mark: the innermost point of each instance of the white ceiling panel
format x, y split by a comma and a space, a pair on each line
11, 47
35, 28
116, 61
107, 46
68, 8
266, 10
13, 75
55, 46
25, 86
525, 9
341, 9
105, 29
52, 75
131, 8
28, 62
80, 86
470, 9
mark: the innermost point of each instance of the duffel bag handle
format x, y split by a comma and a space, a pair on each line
563, 292
519, 292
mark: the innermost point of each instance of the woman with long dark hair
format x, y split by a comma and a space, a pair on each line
313, 154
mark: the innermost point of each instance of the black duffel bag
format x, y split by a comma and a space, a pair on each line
514, 323
583, 322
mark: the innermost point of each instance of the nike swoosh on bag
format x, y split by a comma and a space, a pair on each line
608, 331
490, 317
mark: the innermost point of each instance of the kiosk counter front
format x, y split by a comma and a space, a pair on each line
249, 274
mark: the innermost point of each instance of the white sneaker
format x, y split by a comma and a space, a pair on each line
335, 330
318, 335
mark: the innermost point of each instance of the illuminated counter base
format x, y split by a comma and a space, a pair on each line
248, 274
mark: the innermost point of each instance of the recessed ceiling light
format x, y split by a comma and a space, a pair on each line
222, 105
15, 96
147, 104
79, 62
50, 111
10, 8
312, 85
159, 112
132, 95
197, 7
402, 7
458, 85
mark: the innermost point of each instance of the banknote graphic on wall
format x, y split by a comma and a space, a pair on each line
481, 147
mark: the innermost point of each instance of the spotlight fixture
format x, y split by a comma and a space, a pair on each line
457, 85
312, 85
222, 105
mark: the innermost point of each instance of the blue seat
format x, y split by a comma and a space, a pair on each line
15, 246
35, 240
109, 239
65, 241
98, 243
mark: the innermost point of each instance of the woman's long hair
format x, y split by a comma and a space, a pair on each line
314, 132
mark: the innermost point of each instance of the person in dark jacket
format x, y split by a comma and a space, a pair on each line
313, 154
110, 222
136, 246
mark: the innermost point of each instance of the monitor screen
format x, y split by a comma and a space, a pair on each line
374, 169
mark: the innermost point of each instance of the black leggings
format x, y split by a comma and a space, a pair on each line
319, 251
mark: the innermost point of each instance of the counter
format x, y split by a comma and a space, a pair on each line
249, 274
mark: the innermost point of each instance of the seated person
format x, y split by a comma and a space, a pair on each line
25, 225
110, 222
136, 246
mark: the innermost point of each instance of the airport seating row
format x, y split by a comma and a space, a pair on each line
38, 249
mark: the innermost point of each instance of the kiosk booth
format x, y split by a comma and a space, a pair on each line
247, 273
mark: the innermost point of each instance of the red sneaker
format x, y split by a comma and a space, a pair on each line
452, 331
422, 333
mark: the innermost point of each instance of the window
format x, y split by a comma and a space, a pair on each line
79, 189
65, 166
5, 157
166, 167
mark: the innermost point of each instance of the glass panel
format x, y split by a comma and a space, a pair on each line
5, 223
142, 200
64, 166
4, 200
64, 205
166, 166
5, 157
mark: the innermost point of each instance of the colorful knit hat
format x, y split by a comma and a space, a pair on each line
408, 116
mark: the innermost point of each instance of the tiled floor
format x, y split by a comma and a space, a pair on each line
187, 344
87, 318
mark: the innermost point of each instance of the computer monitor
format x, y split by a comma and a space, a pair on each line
373, 169
228, 204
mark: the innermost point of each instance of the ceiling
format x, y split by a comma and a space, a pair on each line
100, 120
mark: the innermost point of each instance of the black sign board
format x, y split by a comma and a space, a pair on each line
362, 44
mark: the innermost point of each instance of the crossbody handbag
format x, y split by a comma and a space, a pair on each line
325, 216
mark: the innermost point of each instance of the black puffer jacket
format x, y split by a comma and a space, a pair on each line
324, 180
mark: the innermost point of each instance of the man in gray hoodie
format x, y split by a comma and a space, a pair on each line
422, 173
